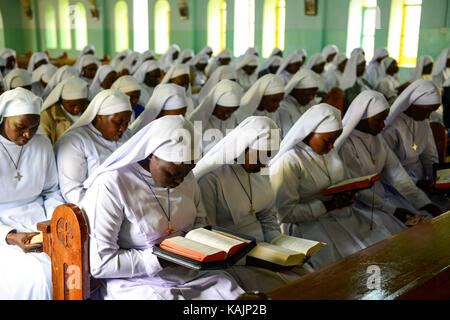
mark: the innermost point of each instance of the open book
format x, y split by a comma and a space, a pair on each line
443, 179
205, 248
353, 184
37, 239
283, 251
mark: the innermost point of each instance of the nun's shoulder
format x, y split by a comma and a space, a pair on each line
41, 141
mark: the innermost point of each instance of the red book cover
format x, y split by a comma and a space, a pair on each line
352, 184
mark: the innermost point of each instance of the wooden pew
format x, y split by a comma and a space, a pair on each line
441, 139
414, 264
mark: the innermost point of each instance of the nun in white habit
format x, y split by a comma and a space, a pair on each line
104, 78
237, 195
271, 65
30, 193
168, 59
423, 69
263, 99
90, 140
88, 50
373, 68
364, 152
317, 64
299, 97
221, 73
19, 78
222, 59
198, 65
62, 73
87, 68
119, 58
36, 60
132, 205
352, 81
41, 77
306, 165
216, 114
330, 52
179, 74
148, 76
10, 58
388, 81
333, 75
246, 71
130, 86
289, 66
441, 68
168, 99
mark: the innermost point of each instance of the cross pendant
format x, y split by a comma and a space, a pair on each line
18, 176
252, 210
414, 147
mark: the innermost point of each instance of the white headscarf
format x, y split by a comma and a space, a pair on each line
126, 84
107, 102
175, 71
226, 93
83, 53
62, 73
349, 76
384, 65
85, 61
441, 62
186, 53
72, 88
119, 58
417, 72
292, 58
243, 78
301, 52
269, 84
206, 50
379, 53
36, 57
316, 59
367, 104
321, 118
6, 53
166, 96
357, 51
143, 57
129, 62
19, 101
420, 92
221, 73
100, 76
339, 58
214, 63
44, 73
256, 132
272, 61
18, 78
330, 49
303, 79
199, 58
170, 138
275, 52
144, 68
166, 61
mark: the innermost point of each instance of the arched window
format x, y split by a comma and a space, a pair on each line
65, 37
217, 24
274, 25
244, 25
80, 21
369, 19
2, 34
140, 25
162, 26
51, 39
121, 26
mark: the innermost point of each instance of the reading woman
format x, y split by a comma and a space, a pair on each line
289, 67
238, 197
365, 152
29, 193
142, 194
179, 74
306, 165
148, 75
104, 79
90, 140
246, 70
130, 86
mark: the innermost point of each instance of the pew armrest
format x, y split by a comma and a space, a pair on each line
44, 227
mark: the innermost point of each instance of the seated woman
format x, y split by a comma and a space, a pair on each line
333, 75
289, 66
37, 59
423, 69
87, 50
90, 140
142, 194
329, 52
365, 152
352, 81
306, 165
148, 75
19, 78
61, 74
222, 59
87, 68
185, 56
179, 74
63, 107
29, 194
271, 65
41, 77
130, 86
263, 99
217, 113
168, 99
246, 71
408, 134
104, 78
317, 64
198, 77
238, 196
299, 97
10, 57
389, 81
221, 73
372, 72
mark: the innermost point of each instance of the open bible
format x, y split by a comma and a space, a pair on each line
442, 175
205, 248
353, 184
283, 252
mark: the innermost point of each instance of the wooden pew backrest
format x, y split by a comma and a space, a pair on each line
440, 138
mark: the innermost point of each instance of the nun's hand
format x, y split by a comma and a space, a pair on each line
427, 185
22, 240
432, 209
402, 214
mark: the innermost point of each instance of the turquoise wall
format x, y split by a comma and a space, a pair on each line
309, 32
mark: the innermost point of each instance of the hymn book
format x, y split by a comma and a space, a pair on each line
205, 248
353, 184
37, 239
283, 252
443, 179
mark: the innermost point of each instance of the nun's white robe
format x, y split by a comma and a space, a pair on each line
78, 153
357, 153
126, 222
298, 178
227, 206
24, 203
210, 138
387, 86
290, 111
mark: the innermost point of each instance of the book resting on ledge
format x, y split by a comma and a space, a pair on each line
354, 184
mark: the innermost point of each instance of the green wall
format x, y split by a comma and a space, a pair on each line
309, 32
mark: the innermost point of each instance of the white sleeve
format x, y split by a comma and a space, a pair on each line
201, 219
430, 155
208, 187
